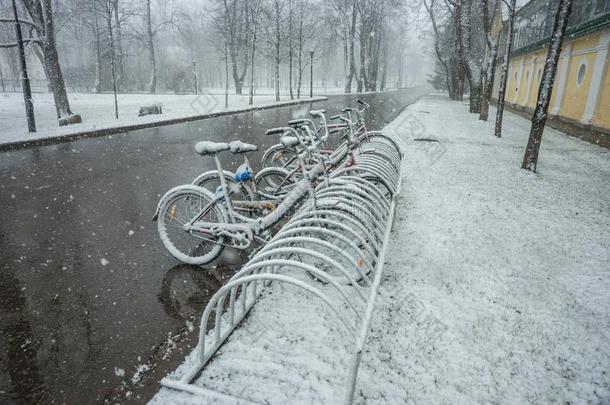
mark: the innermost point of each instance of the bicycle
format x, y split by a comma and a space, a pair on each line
195, 225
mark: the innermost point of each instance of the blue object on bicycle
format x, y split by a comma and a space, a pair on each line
243, 173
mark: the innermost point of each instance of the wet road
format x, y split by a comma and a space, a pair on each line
87, 292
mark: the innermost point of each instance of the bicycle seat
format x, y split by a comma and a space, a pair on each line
290, 141
317, 112
276, 131
242, 147
210, 148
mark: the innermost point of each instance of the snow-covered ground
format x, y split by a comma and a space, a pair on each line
97, 111
496, 287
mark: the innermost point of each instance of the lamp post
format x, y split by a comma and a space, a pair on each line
2, 80
25, 80
311, 74
195, 74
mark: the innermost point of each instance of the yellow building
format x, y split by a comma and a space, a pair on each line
580, 103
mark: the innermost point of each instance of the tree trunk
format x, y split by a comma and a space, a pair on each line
505, 62
253, 51
384, 68
278, 40
51, 63
112, 64
350, 48
400, 68
488, 83
290, 51
491, 59
449, 73
362, 76
152, 82
98, 55
475, 95
2, 80
119, 45
530, 159
226, 76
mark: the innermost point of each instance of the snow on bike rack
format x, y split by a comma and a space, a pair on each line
336, 242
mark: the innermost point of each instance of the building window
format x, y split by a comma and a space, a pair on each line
582, 73
539, 75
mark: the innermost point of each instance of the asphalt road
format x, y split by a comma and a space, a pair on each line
87, 292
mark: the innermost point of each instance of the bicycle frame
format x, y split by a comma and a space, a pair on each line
240, 227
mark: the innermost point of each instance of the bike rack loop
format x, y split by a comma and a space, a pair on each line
263, 268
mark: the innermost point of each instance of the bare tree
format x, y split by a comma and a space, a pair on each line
150, 44
118, 36
290, 45
347, 13
233, 22
109, 13
370, 40
41, 21
530, 159
98, 51
255, 10
164, 16
491, 54
437, 45
512, 5
306, 28
278, 6
468, 51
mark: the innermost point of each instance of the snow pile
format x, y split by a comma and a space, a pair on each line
496, 287
97, 111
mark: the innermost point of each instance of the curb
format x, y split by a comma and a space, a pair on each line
94, 133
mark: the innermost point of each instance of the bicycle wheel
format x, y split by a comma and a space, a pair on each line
211, 182
190, 246
274, 182
279, 156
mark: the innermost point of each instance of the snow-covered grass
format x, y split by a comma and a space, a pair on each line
496, 287
97, 111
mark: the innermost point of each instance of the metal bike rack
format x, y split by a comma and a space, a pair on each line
355, 210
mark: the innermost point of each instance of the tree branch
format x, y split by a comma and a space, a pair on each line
12, 20
25, 42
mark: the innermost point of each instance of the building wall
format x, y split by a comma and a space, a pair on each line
575, 96
602, 118
575, 87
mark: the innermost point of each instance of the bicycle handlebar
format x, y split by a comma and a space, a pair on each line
276, 131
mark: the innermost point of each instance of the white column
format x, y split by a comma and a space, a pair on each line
598, 77
518, 84
562, 78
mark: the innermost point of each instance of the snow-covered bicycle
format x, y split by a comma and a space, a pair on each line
196, 224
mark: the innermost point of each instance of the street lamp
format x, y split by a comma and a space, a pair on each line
25, 80
311, 74
195, 74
